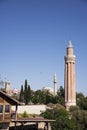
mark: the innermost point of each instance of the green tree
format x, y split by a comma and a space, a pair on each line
29, 92
61, 95
43, 97
25, 114
25, 93
21, 97
49, 98
61, 117
39, 97
80, 117
81, 101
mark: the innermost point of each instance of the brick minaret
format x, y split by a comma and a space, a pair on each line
69, 83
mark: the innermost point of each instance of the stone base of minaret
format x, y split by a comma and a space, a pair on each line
69, 104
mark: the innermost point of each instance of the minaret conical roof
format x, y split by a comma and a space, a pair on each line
70, 44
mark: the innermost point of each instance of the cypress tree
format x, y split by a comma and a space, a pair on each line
21, 98
25, 93
29, 93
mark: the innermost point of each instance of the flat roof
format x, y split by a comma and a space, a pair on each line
32, 120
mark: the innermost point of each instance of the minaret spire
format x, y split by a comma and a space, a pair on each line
69, 83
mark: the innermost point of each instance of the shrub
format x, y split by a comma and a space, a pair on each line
25, 114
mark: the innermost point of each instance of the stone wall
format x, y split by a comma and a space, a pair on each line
30, 109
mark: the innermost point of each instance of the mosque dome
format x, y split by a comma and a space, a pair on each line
49, 89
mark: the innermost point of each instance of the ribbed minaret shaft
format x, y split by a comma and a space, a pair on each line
69, 78
55, 85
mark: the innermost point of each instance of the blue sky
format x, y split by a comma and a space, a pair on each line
34, 35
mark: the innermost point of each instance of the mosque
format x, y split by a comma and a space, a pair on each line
53, 90
69, 79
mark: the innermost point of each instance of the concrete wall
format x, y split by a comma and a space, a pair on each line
30, 109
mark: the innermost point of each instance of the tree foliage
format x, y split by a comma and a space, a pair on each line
21, 98
81, 101
25, 114
45, 97
61, 95
61, 117
25, 93
80, 117
75, 119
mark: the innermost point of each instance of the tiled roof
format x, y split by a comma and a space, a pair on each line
9, 99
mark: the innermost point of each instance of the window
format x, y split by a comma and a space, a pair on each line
7, 108
1, 108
